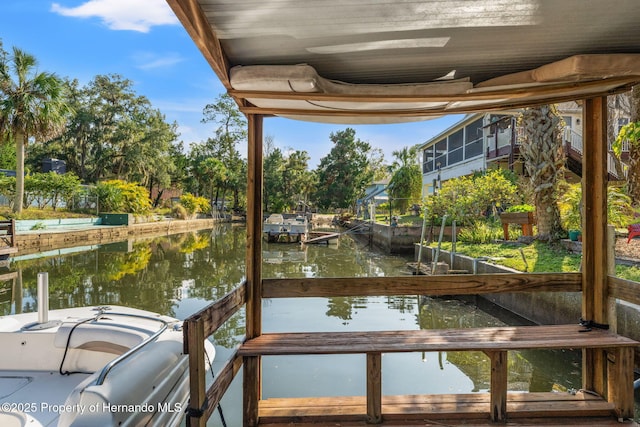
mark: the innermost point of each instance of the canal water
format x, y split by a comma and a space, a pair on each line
179, 274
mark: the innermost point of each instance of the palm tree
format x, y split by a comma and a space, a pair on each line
32, 105
406, 182
541, 150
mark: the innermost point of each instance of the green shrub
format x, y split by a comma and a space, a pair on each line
521, 208
121, 196
481, 231
109, 197
619, 210
194, 204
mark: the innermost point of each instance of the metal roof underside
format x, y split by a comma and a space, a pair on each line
412, 41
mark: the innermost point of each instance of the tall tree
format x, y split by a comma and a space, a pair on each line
232, 129
541, 150
274, 165
32, 105
345, 172
406, 183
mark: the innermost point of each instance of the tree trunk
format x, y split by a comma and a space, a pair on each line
541, 150
19, 200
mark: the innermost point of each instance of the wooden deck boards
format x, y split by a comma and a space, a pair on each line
451, 409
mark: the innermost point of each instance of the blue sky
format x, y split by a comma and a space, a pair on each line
143, 41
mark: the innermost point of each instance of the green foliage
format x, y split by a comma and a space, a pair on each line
345, 172
7, 186
38, 226
481, 231
619, 210
109, 197
194, 204
521, 208
32, 104
468, 198
7, 155
406, 183
114, 133
49, 189
629, 132
121, 196
218, 167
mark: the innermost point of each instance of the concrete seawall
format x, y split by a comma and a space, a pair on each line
539, 307
34, 241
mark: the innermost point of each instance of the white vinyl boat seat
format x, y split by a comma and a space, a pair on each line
91, 345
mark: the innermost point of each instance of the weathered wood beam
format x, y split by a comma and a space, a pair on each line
215, 314
251, 378
221, 384
459, 284
374, 388
624, 289
194, 336
594, 234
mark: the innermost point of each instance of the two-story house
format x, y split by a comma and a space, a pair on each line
489, 140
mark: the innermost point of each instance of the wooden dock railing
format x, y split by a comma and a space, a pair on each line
7, 238
196, 329
204, 323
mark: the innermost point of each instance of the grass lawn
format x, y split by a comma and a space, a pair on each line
540, 258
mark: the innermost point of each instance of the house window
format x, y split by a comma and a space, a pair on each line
427, 159
473, 139
456, 148
441, 153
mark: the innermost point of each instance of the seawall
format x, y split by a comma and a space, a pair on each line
62, 236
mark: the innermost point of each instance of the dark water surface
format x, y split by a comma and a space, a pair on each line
180, 274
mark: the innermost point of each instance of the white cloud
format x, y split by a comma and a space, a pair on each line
148, 61
134, 15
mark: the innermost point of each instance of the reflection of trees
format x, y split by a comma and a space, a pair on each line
342, 307
149, 277
529, 370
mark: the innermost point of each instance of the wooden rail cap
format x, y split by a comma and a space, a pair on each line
469, 339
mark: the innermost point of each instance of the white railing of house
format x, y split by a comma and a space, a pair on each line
574, 139
575, 143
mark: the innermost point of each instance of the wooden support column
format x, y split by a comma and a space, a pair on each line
620, 378
498, 389
594, 234
194, 347
374, 388
252, 375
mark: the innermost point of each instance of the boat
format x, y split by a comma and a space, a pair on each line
278, 228
93, 366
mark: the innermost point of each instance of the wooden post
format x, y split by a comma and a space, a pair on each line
374, 388
594, 248
620, 381
498, 388
194, 347
611, 271
252, 375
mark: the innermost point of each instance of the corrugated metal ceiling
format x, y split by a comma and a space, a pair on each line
369, 41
